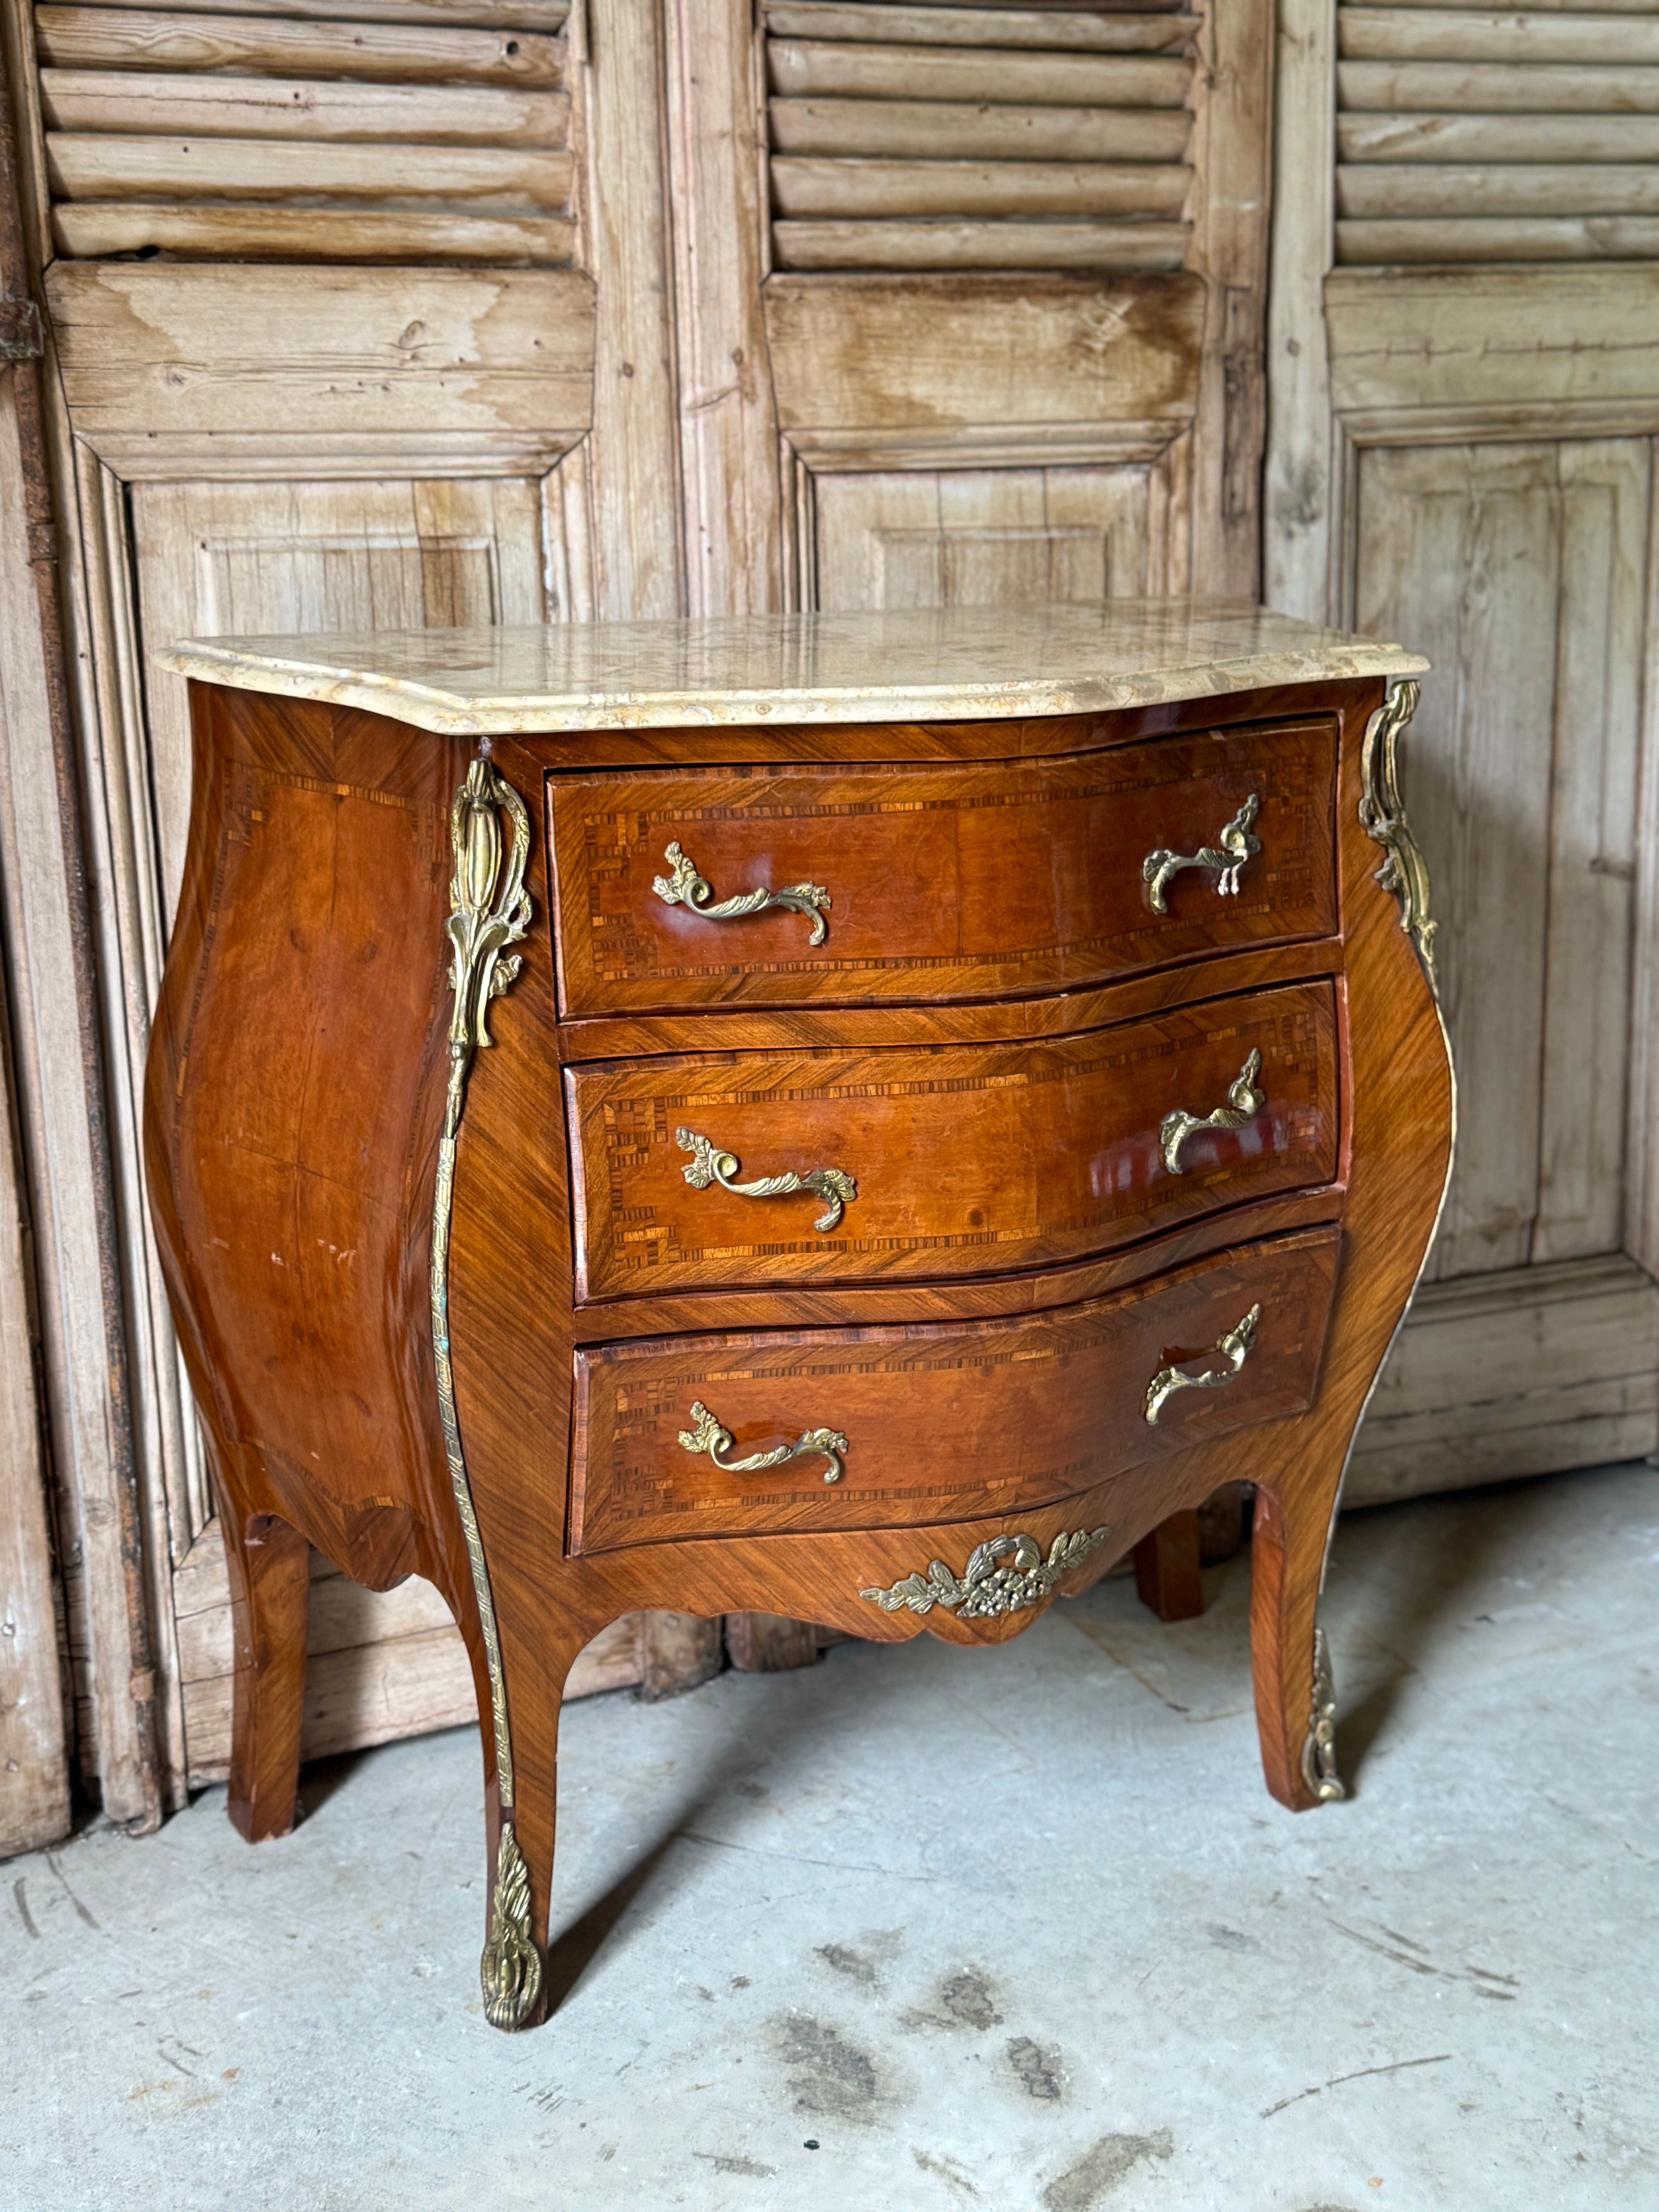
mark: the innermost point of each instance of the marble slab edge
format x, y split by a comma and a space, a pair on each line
405, 700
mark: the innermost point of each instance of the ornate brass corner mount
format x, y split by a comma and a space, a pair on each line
683, 886
482, 924
490, 910
1382, 815
1228, 855
1319, 1751
1243, 1103
987, 1586
1235, 1349
510, 1970
709, 1164
710, 1437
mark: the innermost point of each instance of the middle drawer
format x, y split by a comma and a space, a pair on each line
744, 1169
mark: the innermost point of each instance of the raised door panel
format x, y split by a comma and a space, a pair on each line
946, 1160
995, 537
1520, 570
276, 559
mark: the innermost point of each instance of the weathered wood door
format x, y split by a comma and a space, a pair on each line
1464, 371
415, 312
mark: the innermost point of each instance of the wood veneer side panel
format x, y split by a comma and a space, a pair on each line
293, 1097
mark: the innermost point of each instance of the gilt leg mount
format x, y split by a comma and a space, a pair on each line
510, 1970
490, 911
1319, 1751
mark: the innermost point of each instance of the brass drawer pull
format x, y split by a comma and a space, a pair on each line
709, 1164
1235, 1349
1244, 1100
1235, 846
710, 1437
686, 887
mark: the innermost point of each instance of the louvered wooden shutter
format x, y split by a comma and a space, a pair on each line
950, 137
407, 130
1525, 136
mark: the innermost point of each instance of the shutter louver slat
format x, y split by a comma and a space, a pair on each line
920, 138
1464, 137
426, 133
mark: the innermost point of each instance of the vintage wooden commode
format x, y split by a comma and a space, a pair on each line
960, 1087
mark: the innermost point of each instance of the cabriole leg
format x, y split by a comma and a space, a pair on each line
269, 1566
1295, 1702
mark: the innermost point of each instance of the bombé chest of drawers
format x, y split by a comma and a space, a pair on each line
859, 1118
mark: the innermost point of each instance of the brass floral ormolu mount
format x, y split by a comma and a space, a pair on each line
1009, 1574
489, 911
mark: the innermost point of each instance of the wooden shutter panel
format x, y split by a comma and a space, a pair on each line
1465, 137
939, 137
360, 130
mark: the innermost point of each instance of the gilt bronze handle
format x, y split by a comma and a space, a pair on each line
710, 1437
1235, 1349
686, 887
710, 1164
1244, 1100
1228, 855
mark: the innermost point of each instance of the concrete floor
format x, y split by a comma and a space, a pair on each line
927, 1929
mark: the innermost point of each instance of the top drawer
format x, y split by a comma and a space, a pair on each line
937, 881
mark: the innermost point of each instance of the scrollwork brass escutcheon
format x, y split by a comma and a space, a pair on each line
1008, 1574
1235, 1349
709, 1164
1382, 815
686, 887
1243, 1103
710, 1437
1228, 855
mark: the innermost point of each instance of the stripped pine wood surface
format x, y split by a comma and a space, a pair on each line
164, 367
1475, 136
1494, 425
312, 139
635, 516
1013, 139
1524, 782
53, 989
1529, 1370
34, 1746
729, 463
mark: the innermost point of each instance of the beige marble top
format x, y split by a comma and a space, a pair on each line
957, 663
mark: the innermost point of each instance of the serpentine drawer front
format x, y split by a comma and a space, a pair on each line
757, 1168
828, 885
862, 1119
938, 1423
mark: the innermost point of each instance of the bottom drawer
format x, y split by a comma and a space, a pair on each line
885, 1428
